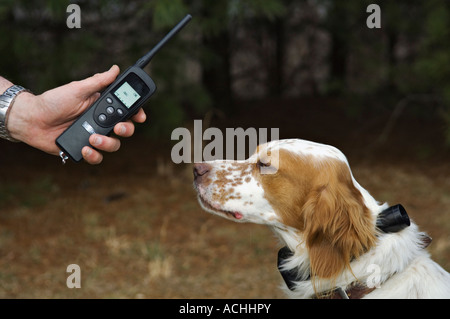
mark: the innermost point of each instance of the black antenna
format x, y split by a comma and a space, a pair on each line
142, 62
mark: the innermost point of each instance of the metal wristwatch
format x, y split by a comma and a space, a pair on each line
6, 101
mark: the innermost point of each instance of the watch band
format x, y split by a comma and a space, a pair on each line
6, 102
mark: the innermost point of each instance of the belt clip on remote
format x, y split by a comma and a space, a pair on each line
121, 100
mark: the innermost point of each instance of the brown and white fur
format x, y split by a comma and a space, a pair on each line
308, 196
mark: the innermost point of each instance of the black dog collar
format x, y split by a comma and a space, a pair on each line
393, 219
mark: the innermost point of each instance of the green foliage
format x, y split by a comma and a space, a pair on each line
408, 58
431, 70
267, 9
166, 13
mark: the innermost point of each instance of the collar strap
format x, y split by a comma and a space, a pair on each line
354, 291
391, 220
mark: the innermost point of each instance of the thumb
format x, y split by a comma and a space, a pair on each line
99, 81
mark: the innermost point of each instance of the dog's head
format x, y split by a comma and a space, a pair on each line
303, 185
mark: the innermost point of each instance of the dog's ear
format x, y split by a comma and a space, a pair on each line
337, 225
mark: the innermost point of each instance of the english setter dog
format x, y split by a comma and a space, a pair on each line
307, 194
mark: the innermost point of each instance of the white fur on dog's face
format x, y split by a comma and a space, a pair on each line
231, 191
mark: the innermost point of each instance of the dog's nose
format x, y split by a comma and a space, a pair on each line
201, 169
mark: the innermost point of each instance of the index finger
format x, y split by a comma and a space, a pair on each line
99, 81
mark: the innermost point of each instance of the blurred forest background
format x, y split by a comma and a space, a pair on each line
237, 49
309, 67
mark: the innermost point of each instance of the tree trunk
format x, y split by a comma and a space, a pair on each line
216, 75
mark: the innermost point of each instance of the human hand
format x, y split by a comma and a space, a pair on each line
39, 120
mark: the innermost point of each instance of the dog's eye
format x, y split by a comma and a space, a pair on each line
263, 163
265, 167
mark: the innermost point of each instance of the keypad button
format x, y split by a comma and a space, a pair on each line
102, 117
120, 112
110, 110
109, 100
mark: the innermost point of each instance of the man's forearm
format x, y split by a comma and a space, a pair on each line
4, 84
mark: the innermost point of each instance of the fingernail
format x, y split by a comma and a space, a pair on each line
87, 151
122, 129
97, 141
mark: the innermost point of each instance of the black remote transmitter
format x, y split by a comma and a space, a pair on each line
117, 103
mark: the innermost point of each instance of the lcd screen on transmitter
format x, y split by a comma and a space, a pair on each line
127, 94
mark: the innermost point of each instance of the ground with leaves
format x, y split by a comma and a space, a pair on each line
134, 226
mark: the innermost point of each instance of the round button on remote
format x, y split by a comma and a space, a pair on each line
120, 112
102, 117
110, 110
109, 100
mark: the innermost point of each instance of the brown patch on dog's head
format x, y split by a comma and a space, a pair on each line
318, 197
